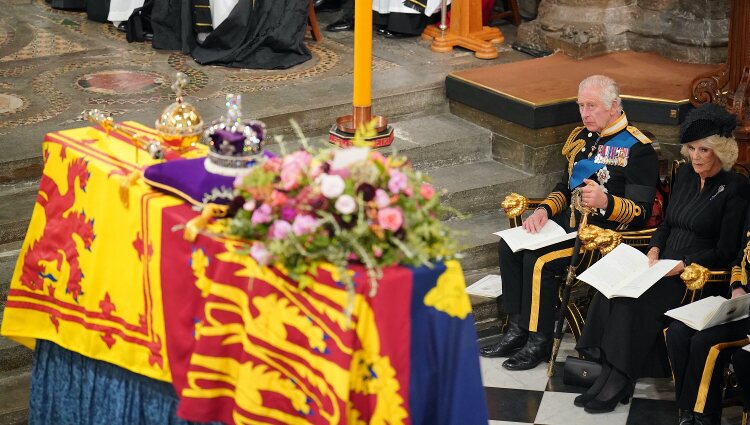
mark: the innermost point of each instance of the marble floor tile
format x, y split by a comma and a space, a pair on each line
495, 375
512, 405
652, 412
558, 409
655, 389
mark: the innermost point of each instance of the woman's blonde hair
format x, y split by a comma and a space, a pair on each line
725, 148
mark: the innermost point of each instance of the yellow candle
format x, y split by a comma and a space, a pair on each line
362, 52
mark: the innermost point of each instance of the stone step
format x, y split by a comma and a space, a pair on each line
478, 244
15, 388
18, 201
429, 142
480, 186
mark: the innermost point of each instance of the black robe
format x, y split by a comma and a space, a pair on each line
265, 34
261, 34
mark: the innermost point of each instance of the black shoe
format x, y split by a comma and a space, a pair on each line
389, 34
618, 389
326, 5
343, 24
597, 386
122, 27
687, 418
536, 350
512, 340
705, 419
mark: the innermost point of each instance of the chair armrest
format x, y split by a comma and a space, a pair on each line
638, 238
515, 206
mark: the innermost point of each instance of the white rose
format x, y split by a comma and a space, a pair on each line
346, 204
331, 186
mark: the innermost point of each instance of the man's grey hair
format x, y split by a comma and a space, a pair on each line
607, 87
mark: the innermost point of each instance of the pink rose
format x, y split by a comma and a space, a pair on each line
290, 177
391, 218
331, 186
304, 224
382, 199
261, 215
377, 251
346, 204
397, 182
260, 254
279, 229
427, 191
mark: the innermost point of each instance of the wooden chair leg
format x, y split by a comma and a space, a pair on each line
312, 23
513, 4
744, 417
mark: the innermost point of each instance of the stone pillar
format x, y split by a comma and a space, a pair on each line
686, 30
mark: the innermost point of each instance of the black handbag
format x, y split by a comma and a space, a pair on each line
580, 372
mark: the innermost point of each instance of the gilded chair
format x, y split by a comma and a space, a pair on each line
601, 241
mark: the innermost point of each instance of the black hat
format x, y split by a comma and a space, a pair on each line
707, 120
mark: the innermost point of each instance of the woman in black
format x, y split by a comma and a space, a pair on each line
702, 225
694, 367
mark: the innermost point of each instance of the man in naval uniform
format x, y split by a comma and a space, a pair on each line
618, 169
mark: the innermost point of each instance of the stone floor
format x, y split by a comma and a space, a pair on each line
530, 397
54, 64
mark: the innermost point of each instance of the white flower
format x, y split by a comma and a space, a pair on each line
331, 186
346, 204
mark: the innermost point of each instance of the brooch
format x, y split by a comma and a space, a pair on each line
718, 191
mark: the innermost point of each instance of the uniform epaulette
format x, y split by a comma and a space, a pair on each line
638, 135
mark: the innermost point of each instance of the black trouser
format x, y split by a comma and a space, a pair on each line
530, 283
694, 354
741, 364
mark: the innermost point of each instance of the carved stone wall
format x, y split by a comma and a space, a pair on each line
686, 30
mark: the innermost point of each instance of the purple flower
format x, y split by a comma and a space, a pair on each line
367, 190
397, 182
260, 254
279, 229
288, 213
345, 204
261, 214
304, 224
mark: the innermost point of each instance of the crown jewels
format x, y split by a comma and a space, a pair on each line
233, 143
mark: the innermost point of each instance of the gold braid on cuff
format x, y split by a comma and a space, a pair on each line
694, 276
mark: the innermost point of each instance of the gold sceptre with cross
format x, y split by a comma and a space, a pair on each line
140, 141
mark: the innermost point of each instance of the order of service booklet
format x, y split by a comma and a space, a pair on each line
518, 238
490, 286
711, 311
625, 272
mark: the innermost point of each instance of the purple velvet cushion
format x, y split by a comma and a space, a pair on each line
188, 179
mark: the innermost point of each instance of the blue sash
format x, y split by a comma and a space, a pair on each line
586, 168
